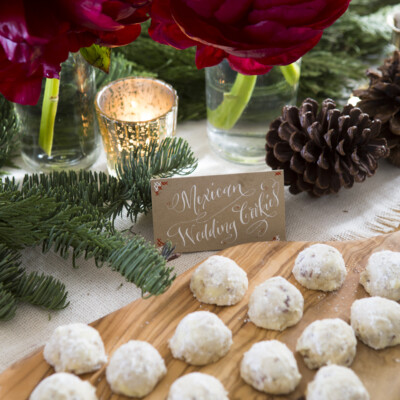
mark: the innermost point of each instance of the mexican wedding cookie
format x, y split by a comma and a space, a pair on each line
327, 341
63, 386
276, 304
197, 386
270, 367
200, 338
382, 275
75, 348
135, 369
376, 322
335, 382
219, 280
320, 267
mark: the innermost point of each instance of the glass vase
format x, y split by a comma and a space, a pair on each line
76, 140
241, 107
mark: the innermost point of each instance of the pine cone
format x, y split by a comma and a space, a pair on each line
382, 101
322, 151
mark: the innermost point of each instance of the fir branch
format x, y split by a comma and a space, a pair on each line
170, 157
129, 260
8, 132
8, 304
72, 214
41, 290
10, 269
108, 196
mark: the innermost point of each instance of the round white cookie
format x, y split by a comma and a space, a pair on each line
276, 304
382, 275
335, 382
135, 369
327, 341
219, 280
200, 338
376, 322
270, 367
63, 386
197, 386
75, 348
320, 267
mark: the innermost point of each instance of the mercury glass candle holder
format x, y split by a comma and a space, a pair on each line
132, 111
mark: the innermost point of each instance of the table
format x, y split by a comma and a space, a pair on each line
93, 292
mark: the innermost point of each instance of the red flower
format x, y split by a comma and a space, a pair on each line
252, 34
36, 37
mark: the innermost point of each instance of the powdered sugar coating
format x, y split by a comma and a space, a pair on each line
382, 275
327, 341
269, 366
376, 322
75, 348
135, 369
276, 304
335, 382
200, 338
63, 386
197, 386
219, 280
320, 267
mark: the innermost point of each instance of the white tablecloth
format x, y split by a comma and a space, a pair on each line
96, 292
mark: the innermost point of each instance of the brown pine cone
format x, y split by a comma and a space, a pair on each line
381, 100
321, 151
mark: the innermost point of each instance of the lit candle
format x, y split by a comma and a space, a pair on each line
132, 111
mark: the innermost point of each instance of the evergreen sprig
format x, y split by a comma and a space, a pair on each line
8, 133
73, 213
18, 286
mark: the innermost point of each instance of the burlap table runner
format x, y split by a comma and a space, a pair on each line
96, 292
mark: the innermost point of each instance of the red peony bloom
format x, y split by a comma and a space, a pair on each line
253, 35
36, 37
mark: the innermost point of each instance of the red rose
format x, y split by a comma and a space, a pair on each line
252, 34
36, 37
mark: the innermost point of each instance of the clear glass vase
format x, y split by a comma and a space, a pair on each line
241, 107
76, 140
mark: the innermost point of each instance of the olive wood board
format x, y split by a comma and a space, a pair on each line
155, 319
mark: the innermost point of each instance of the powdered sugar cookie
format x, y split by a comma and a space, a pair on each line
200, 338
219, 280
75, 348
382, 275
335, 382
376, 322
197, 386
320, 267
269, 366
276, 304
135, 369
327, 341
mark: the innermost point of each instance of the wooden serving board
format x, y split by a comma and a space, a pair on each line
155, 320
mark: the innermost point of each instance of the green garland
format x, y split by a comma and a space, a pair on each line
73, 213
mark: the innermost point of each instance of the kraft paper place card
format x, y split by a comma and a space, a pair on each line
219, 211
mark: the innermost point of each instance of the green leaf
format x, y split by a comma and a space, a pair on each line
98, 56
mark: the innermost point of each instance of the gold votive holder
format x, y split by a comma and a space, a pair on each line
133, 111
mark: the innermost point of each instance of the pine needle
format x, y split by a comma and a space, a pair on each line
8, 304
41, 290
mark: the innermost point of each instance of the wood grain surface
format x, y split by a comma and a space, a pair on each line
155, 320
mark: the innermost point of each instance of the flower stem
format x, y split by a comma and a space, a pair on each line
234, 103
232, 106
291, 73
49, 110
